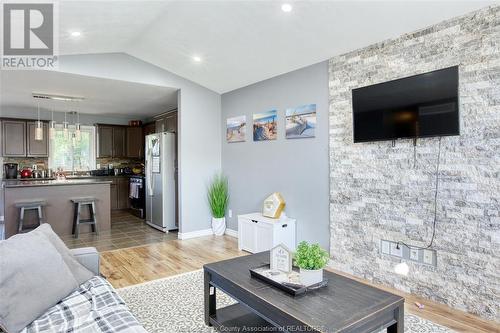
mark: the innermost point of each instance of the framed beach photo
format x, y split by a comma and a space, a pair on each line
301, 122
236, 128
265, 126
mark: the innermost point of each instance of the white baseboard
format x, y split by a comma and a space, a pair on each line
232, 233
195, 234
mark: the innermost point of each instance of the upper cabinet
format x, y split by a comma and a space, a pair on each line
135, 142
104, 141
119, 141
149, 128
171, 122
166, 122
37, 148
160, 125
14, 138
18, 139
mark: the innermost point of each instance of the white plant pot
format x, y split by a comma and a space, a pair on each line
218, 226
308, 277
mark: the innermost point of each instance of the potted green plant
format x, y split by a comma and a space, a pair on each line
311, 259
218, 197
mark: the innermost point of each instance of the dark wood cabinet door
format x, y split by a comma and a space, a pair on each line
171, 122
135, 142
114, 197
149, 128
119, 141
37, 148
14, 138
104, 141
123, 191
160, 125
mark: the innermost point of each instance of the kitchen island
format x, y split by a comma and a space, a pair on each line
59, 209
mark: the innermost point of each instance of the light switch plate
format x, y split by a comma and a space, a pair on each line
428, 257
395, 251
385, 247
414, 254
230, 213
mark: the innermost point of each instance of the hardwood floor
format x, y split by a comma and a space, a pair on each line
125, 267
458, 321
134, 265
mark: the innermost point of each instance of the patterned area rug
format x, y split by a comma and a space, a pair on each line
175, 304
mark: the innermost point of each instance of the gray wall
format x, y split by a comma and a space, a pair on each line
298, 168
376, 193
199, 125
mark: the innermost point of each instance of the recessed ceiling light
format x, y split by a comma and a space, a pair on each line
286, 7
76, 33
197, 59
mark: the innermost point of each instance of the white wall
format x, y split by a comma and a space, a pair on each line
199, 125
298, 168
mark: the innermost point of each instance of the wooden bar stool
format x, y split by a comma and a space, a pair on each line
30, 205
77, 220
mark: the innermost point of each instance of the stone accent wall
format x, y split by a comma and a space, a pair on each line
376, 191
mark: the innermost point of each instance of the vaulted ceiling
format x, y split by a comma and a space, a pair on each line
101, 96
242, 42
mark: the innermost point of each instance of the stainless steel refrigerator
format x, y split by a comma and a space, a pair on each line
160, 181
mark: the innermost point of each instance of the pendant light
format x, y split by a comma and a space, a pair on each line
65, 127
52, 127
78, 132
39, 127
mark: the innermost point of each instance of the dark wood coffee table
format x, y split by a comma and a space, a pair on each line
345, 305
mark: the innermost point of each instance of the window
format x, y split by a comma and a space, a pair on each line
72, 154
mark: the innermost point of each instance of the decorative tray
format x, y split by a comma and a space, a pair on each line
289, 283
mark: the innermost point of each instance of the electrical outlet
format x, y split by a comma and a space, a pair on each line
385, 247
230, 213
395, 251
428, 257
414, 254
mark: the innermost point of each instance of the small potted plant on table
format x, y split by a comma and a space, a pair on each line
311, 259
218, 197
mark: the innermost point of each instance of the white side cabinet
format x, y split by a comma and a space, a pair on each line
257, 233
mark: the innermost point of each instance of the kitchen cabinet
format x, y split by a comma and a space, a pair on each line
111, 141
18, 139
257, 233
119, 141
160, 125
14, 138
166, 122
149, 128
37, 148
104, 141
123, 192
170, 121
135, 142
114, 196
119, 193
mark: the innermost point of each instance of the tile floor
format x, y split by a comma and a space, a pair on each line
126, 230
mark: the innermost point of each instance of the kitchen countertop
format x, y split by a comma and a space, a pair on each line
100, 177
31, 183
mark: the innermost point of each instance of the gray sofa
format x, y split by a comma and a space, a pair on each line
93, 307
45, 287
88, 257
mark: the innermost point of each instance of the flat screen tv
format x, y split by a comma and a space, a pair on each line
418, 106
